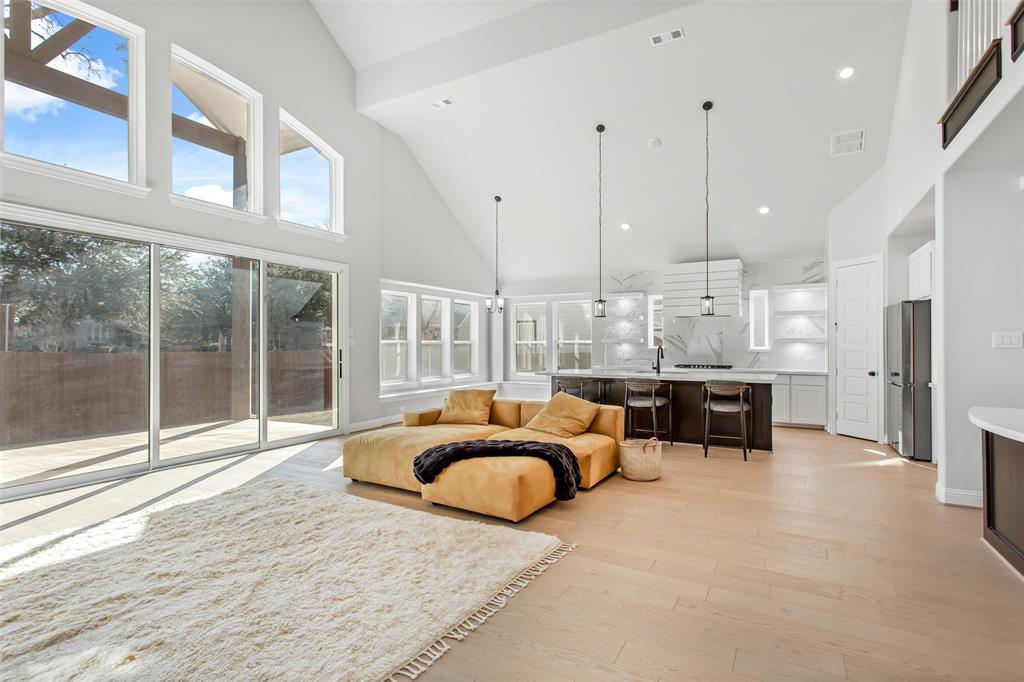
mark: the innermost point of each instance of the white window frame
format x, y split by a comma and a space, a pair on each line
411, 341
765, 295
254, 143
444, 343
513, 335
474, 336
414, 382
557, 340
652, 300
336, 226
58, 220
136, 38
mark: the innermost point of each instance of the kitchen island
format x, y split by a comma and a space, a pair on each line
1003, 476
608, 386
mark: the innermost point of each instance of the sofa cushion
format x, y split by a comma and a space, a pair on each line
385, 456
565, 415
598, 454
467, 406
507, 487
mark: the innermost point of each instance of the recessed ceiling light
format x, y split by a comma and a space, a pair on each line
846, 73
654, 143
626, 226
764, 210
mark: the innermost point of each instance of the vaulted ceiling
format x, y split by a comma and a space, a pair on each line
530, 81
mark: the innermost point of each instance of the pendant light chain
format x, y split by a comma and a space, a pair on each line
707, 202
497, 201
600, 208
600, 305
707, 301
497, 304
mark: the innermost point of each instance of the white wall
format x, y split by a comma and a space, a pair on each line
421, 241
284, 52
982, 227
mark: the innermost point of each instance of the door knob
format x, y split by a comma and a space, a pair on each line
871, 374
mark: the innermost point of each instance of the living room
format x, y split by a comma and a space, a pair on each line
507, 340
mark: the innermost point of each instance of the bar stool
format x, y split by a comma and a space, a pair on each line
726, 397
576, 386
643, 395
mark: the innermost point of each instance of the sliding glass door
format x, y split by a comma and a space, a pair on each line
301, 343
209, 353
118, 356
74, 355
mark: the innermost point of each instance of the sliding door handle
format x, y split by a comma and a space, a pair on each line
872, 373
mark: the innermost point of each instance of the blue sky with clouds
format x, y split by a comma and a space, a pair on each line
45, 128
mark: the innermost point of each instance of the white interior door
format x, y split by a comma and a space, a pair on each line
857, 330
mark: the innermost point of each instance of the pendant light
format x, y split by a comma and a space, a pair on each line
707, 301
495, 305
600, 305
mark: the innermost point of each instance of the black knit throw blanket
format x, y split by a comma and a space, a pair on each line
564, 465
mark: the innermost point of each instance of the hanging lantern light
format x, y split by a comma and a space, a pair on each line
600, 305
707, 301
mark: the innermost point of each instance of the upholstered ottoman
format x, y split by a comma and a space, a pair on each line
507, 487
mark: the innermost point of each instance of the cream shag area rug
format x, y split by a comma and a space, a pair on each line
271, 581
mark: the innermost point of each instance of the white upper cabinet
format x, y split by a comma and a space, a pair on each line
684, 284
920, 264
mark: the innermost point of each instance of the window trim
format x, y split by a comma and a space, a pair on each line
514, 338
651, 300
411, 341
136, 38
336, 228
474, 335
254, 141
445, 375
556, 337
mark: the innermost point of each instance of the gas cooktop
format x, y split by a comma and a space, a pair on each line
698, 366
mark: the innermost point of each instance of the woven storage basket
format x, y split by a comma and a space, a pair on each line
640, 459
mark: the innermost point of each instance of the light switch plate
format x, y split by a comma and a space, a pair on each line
1007, 339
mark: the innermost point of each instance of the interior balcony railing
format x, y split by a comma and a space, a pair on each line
979, 56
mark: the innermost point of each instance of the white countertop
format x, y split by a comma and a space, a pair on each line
1002, 421
670, 374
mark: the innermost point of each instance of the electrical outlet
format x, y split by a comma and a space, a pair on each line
1007, 339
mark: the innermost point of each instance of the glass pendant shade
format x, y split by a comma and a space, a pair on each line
600, 308
495, 304
707, 305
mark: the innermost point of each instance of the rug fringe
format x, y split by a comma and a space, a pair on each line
423, 660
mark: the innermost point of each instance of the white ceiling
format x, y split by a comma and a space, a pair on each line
523, 126
375, 31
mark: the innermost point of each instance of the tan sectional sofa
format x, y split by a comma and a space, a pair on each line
507, 487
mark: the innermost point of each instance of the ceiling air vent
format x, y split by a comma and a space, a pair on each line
442, 103
668, 37
850, 142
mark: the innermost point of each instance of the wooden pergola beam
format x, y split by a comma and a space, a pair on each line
61, 40
21, 26
195, 132
26, 71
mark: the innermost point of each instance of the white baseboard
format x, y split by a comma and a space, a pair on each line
375, 423
959, 498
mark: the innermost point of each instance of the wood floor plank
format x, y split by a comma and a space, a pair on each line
827, 559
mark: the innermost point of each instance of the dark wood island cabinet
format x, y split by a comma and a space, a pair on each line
608, 387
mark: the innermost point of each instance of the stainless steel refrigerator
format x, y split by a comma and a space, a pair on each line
908, 360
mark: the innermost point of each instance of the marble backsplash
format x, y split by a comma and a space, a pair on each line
719, 340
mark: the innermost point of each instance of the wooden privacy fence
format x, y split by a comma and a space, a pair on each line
61, 396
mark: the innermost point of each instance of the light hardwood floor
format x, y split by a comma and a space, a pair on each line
827, 560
